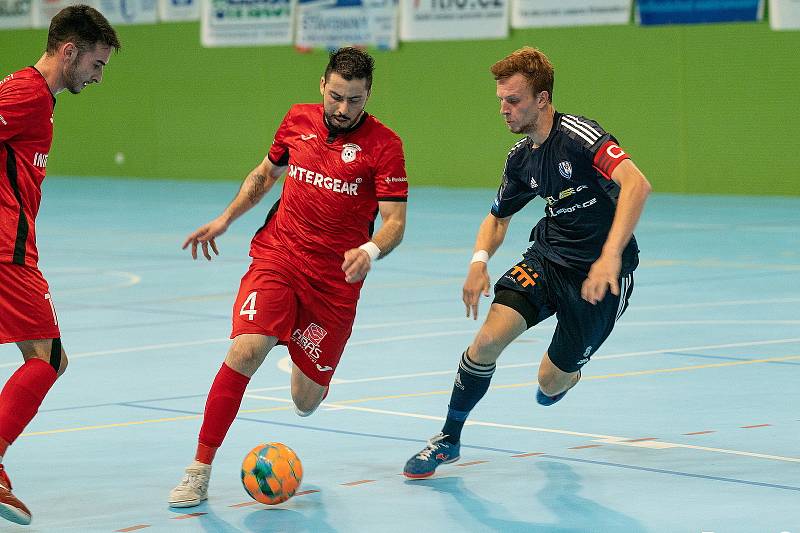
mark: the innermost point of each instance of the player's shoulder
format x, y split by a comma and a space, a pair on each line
305, 110
580, 130
380, 132
24, 84
518, 149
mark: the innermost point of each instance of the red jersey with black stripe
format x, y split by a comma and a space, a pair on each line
572, 171
332, 186
26, 133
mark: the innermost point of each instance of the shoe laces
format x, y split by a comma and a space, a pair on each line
433, 445
195, 480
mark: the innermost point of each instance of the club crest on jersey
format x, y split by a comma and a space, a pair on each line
349, 152
565, 169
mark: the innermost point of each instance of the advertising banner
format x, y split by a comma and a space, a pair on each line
128, 11
178, 10
16, 14
784, 14
427, 20
542, 13
245, 22
337, 23
697, 11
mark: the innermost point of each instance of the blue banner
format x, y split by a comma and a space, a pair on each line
697, 11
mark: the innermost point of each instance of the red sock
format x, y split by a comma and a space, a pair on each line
222, 404
22, 395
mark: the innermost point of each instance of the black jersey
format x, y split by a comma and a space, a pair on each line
571, 170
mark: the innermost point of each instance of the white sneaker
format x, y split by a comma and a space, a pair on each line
193, 488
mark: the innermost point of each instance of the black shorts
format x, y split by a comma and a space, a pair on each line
537, 289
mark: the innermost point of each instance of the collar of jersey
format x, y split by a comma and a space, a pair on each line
332, 135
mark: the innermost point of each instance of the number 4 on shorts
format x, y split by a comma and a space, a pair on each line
249, 306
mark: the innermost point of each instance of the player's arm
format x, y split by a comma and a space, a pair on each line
490, 236
254, 187
358, 261
604, 273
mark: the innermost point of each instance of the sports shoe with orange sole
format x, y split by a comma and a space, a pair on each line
10, 507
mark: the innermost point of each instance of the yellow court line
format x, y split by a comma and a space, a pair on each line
419, 394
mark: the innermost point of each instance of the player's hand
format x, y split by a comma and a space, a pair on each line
477, 283
603, 274
356, 265
205, 235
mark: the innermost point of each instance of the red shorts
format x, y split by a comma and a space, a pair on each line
26, 309
311, 315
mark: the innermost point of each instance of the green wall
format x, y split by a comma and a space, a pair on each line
702, 109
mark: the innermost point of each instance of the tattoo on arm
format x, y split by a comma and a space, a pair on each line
257, 187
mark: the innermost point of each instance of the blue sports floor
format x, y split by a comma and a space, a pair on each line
687, 419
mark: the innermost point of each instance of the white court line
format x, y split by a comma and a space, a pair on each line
284, 363
605, 439
718, 304
130, 278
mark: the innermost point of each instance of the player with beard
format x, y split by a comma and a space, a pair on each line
583, 254
79, 44
311, 255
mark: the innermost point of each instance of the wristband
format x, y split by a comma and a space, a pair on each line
481, 256
372, 250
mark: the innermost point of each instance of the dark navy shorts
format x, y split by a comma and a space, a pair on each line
538, 288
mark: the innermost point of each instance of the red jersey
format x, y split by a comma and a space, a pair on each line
26, 133
332, 187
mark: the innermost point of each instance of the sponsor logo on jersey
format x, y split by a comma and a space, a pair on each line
325, 368
3, 121
389, 179
309, 136
323, 182
566, 193
565, 169
575, 207
310, 339
349, 152
533, 183
7, 78
40, 160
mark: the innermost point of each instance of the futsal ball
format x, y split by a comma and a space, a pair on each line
271, 473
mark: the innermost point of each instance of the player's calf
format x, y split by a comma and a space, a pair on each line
547, 400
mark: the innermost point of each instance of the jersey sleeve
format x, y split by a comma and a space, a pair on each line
593, 142
279, 151
391, 182
515, 190
19, 108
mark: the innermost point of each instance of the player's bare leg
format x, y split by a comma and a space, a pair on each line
554, 382
245, 356
503, 324
306, 393
45, 360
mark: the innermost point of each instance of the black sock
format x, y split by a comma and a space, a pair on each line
472, 382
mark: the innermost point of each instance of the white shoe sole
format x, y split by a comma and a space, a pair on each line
187, 503
12, 514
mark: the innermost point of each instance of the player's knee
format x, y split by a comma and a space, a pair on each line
62, 367
303, 407
555, 382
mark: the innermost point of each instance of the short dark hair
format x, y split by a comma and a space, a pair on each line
82, 25
351, 63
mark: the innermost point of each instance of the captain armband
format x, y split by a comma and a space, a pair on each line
608, 157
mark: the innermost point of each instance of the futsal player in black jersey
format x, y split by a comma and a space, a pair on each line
582, 257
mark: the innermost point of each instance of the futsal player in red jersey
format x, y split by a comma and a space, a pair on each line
311, 255
79, 44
